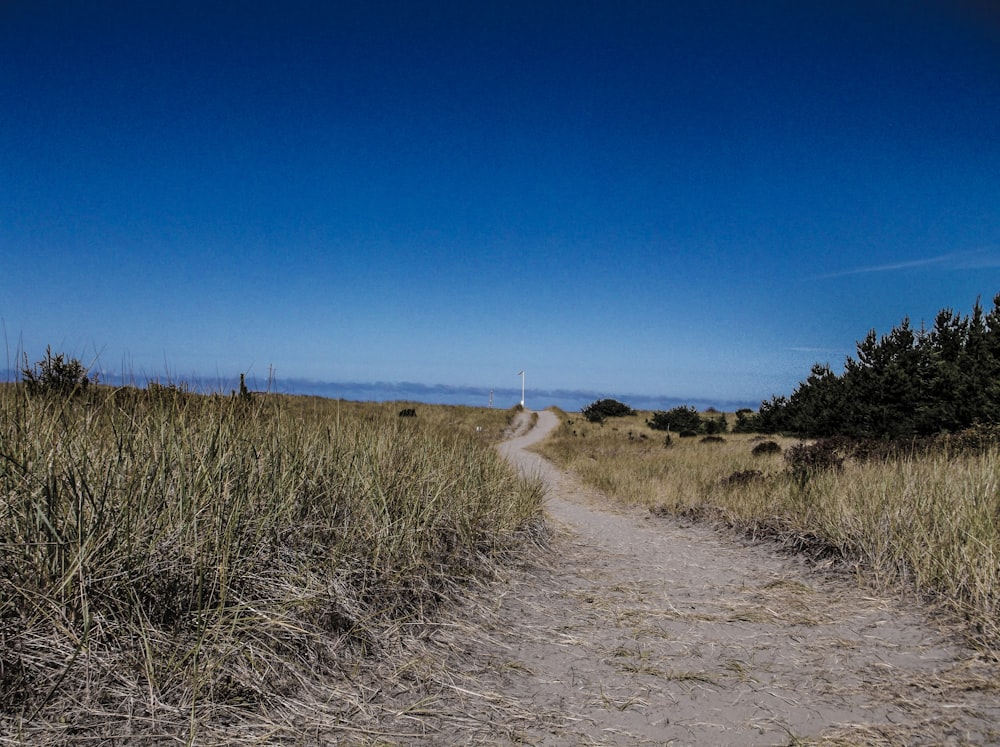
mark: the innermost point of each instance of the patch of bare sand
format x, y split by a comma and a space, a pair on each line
632, 629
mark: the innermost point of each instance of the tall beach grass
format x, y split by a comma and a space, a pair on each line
929, 519
173, 565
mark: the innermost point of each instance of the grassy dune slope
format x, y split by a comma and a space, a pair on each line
180, 566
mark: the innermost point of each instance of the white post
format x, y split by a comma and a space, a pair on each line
521, 374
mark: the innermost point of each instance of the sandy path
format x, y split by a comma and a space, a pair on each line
632, 629
645, 630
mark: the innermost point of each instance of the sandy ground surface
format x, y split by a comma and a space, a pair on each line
634, 629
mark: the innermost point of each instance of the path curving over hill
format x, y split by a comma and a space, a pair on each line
630, 629
650, 630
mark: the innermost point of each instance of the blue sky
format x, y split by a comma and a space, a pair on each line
693, 200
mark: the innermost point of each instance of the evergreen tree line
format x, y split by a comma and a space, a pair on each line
910, 382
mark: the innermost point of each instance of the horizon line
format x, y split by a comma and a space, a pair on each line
384, 391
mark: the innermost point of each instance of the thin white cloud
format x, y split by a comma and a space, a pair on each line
968, 260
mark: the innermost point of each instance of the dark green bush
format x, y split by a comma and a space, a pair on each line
746, 421
599, 411
678, 419
716, 425
766, 447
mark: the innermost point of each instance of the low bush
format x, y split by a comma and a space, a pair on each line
599, 411
766, 447
715, 425
746, 421
56, 374
677, 419
805, 460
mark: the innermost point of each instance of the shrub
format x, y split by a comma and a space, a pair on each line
975, 440
54, 374
766, 447
713, 440
716, 425
599, 411
805, 460
746, 421
408, 412
678, 419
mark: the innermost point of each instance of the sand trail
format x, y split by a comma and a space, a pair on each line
634, 629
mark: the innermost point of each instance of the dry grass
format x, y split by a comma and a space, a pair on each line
931, 521
198, 569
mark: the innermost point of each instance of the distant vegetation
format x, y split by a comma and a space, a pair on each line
602, 409
909, 382
682, 420
174, 564
687, 421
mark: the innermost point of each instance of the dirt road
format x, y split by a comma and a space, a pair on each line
641, 630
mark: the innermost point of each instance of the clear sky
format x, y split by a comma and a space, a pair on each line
688, 199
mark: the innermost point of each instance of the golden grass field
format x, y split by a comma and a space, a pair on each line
930, 521
190, 568
212, 569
